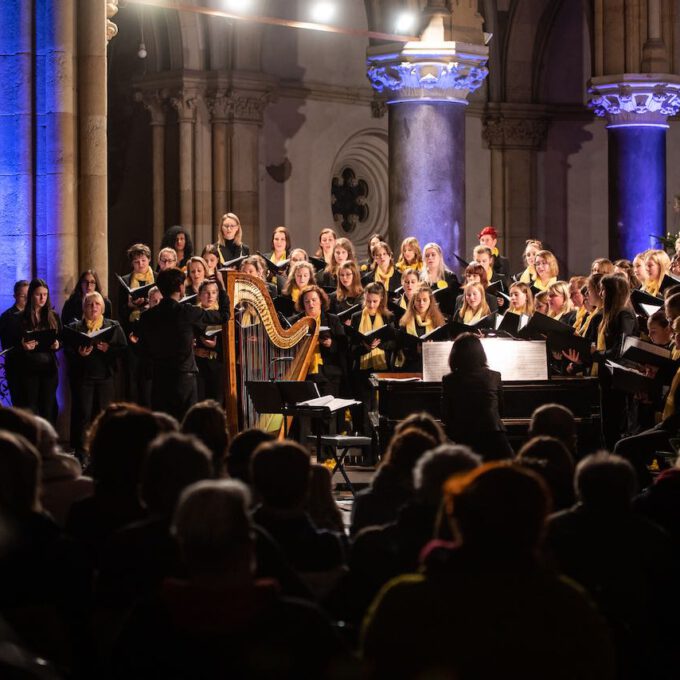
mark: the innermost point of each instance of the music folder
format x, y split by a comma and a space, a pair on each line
396, 309
318, 263
643, 302
45, 338
668, 281
275, 268
135, 293
485, 323
559, 342
76, 338
630, 380
328, 403
440, 334
233, 264
511, 323
446, 298
385, 332
347, 314
640, 352
542, 325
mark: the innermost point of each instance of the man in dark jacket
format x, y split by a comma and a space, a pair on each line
167, 334
10, 333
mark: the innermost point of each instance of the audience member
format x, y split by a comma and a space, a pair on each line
320, 504
207, 421
542, 626
623, 560
241, 452
421, 420
555, 420
392, 484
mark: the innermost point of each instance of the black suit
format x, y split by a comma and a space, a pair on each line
471, 404
10, 338
167, 333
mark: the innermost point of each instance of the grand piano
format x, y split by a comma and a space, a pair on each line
396, 395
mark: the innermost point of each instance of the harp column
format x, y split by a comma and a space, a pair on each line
426, 84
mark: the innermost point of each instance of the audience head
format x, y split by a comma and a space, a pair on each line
423, 421
174, 462
241, 451
467, 353
320, 504
207, 421
605, 482
550, 458
20, 422
555, 420
19, 476
280, 474
404, 451
213, 528
165, 422
437, 465
499, 508
119, 439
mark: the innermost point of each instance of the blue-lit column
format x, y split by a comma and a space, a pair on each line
427, 83
16, 145
636, 108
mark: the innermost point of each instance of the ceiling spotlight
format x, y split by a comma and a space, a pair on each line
323, 11
141, 52
406, 22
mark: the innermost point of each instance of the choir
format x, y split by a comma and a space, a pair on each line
374, 315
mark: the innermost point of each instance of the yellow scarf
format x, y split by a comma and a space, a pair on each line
675, 354
442, 284
581, 313
411, 325
317, 359
278, 258
295, 293
402, 303
94, 325
471, 316
374, 359
137, 281
489, 274
586, 324
401, 266
384, 278
528, 276
669, 406
540, 286
600, 347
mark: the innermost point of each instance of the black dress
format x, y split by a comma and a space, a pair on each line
92, 379
471, 405
230, 251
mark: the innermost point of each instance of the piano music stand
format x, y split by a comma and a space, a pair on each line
267, 398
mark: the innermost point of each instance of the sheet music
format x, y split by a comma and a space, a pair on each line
514, 359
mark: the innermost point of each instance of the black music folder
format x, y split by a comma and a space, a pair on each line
385, 332
76, 338
318, 263
276, 269
643, 302
45, 338
347, 314
668, 281
440, 334
135, 293
631, 380
487, 322
560, 342
233, 264
511, 323
542, 324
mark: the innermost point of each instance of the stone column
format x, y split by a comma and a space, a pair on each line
92, 137
514, 138
154, 103
220, 107
427, 83
636, 107
16, 146
56, 246
185, 105
245, 163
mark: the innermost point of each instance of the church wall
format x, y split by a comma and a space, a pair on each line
477, 183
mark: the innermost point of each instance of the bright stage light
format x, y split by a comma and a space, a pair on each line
238, 5
405, 23
323, 12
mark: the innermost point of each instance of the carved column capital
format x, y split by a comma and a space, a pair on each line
111, 11
155, 103
249, 108
506, 132
446, 64
220, 105
185, 102
635, 99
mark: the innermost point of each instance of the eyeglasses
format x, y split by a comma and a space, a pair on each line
230, 226
164, 261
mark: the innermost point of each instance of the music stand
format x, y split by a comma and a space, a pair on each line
267, 398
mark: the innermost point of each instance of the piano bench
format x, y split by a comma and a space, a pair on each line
339, 445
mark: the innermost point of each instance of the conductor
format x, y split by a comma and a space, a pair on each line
167, 332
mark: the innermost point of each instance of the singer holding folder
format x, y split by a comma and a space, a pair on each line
92, 346
36, 361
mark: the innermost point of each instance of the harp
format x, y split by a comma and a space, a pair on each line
257, 347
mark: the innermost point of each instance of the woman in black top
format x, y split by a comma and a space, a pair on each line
37, 363
230, 239
472, 400
349, 291
93, 364
179, 239
88, 282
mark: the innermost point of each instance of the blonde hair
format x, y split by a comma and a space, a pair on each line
441, 270
411, 241
560, 288
526, 289
530, 242
483, 305
94, 294
553, 266
239, 232
290, 282
347, 245
433, 311
202, 262
662, 259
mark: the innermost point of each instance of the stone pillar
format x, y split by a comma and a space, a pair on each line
185, 105
56, 244
245, 164
92, 137
154, 103
220, 107
514, 137
16, 146
636, 107
427, 83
